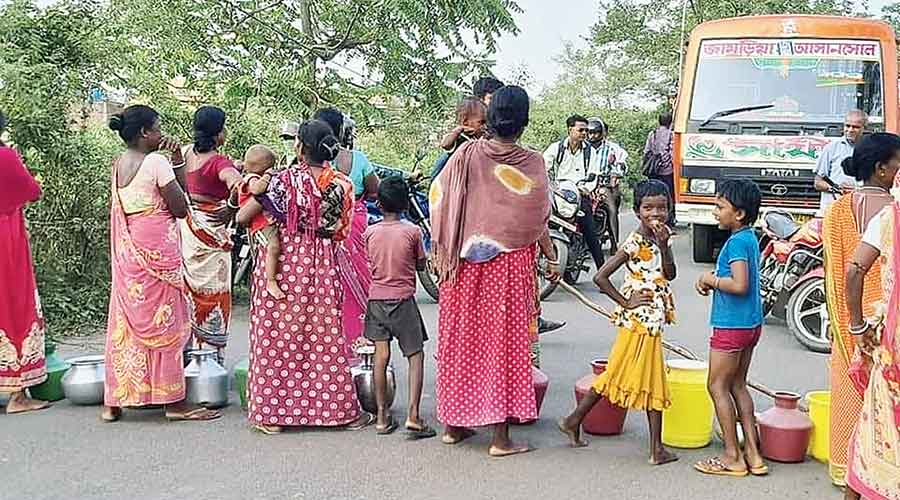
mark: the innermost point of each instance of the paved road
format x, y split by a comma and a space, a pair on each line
67, 453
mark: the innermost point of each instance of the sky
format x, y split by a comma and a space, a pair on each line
545, 26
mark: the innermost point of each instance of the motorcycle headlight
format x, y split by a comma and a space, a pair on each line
703, 186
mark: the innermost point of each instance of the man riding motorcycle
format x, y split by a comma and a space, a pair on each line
608, 163
570, 160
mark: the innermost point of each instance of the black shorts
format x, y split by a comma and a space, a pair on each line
400, 319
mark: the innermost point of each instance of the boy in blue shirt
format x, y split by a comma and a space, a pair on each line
736, 319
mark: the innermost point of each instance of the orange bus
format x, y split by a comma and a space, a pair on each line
759, 98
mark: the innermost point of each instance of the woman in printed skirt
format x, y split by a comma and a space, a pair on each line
489, 207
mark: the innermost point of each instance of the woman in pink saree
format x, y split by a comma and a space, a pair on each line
148, 313
353, 259
873, 466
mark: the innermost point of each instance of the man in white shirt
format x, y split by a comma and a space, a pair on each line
829, 162
608, 163
570, 160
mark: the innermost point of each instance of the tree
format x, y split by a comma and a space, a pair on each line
640, 40
385, 61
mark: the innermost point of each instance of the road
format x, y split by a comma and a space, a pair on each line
67, 453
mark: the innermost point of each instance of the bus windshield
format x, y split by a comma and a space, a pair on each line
804, 80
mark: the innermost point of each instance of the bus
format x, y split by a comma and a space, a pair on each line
760, 96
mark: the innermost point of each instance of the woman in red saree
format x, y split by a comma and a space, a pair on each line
21, 321
489, 206
299, 370
873, 465
148, 314
204, 232
842, 229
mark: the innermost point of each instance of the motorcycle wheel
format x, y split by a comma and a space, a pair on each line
429, 281
545, 286
804, 315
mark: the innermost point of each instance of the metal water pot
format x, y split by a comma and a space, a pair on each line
364, 379
205, 379
84, 382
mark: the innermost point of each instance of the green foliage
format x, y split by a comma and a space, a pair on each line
47, 66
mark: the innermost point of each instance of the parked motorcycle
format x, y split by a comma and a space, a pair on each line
792, 278
417, 214
565, 232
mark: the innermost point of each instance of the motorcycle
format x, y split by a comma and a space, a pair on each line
417, 214
792, 277
565, 232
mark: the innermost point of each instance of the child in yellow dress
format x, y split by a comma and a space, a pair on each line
635, 377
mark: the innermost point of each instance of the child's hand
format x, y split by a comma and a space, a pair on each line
705, 283
639, 298
662, 233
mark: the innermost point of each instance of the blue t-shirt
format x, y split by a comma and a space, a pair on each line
738, 311
361, 168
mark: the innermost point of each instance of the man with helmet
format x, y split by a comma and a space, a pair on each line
608, 163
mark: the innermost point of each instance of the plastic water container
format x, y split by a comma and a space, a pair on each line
820, 413
240, 380
688, 423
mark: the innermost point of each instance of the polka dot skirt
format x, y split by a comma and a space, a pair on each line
299, 373
484, 363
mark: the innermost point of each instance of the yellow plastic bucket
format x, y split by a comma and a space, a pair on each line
688, 423
820, 413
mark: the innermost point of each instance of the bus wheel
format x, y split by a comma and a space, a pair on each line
702, 244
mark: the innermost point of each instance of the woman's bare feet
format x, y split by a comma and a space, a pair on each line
111, 414
574, 434
19, 403
662, 456
273, 290
456, 435
183, 411
508, 449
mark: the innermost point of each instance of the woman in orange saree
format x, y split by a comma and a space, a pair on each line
842, 229
148, 314
873, 466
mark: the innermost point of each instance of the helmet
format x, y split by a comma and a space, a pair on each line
595, 125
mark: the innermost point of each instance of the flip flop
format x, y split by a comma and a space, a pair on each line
415, 432
715, 467
762, 470
495, 452
466, 434
368, 419
268, 430
44, 406
197, 414
387, 429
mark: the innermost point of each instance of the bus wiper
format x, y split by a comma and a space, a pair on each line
734, 111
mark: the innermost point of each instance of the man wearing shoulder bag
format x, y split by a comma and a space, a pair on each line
657, 161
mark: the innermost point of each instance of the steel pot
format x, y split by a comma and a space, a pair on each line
84, 382
364, 379
205, 380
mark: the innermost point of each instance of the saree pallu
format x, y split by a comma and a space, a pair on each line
21, 321
148, 314
841, 237
207, 273
356, 276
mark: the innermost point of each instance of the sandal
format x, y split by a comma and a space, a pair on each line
715, 467
495, 452
389, 428
759, 470
197, 414
364, 420
416, 431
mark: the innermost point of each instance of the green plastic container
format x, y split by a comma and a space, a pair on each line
240, 380
51, 389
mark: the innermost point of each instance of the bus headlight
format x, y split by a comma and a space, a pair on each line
703, 186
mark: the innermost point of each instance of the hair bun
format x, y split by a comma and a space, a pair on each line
116, 123
849, 166
330, 147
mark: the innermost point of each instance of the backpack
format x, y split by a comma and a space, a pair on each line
652, 162
561, 153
